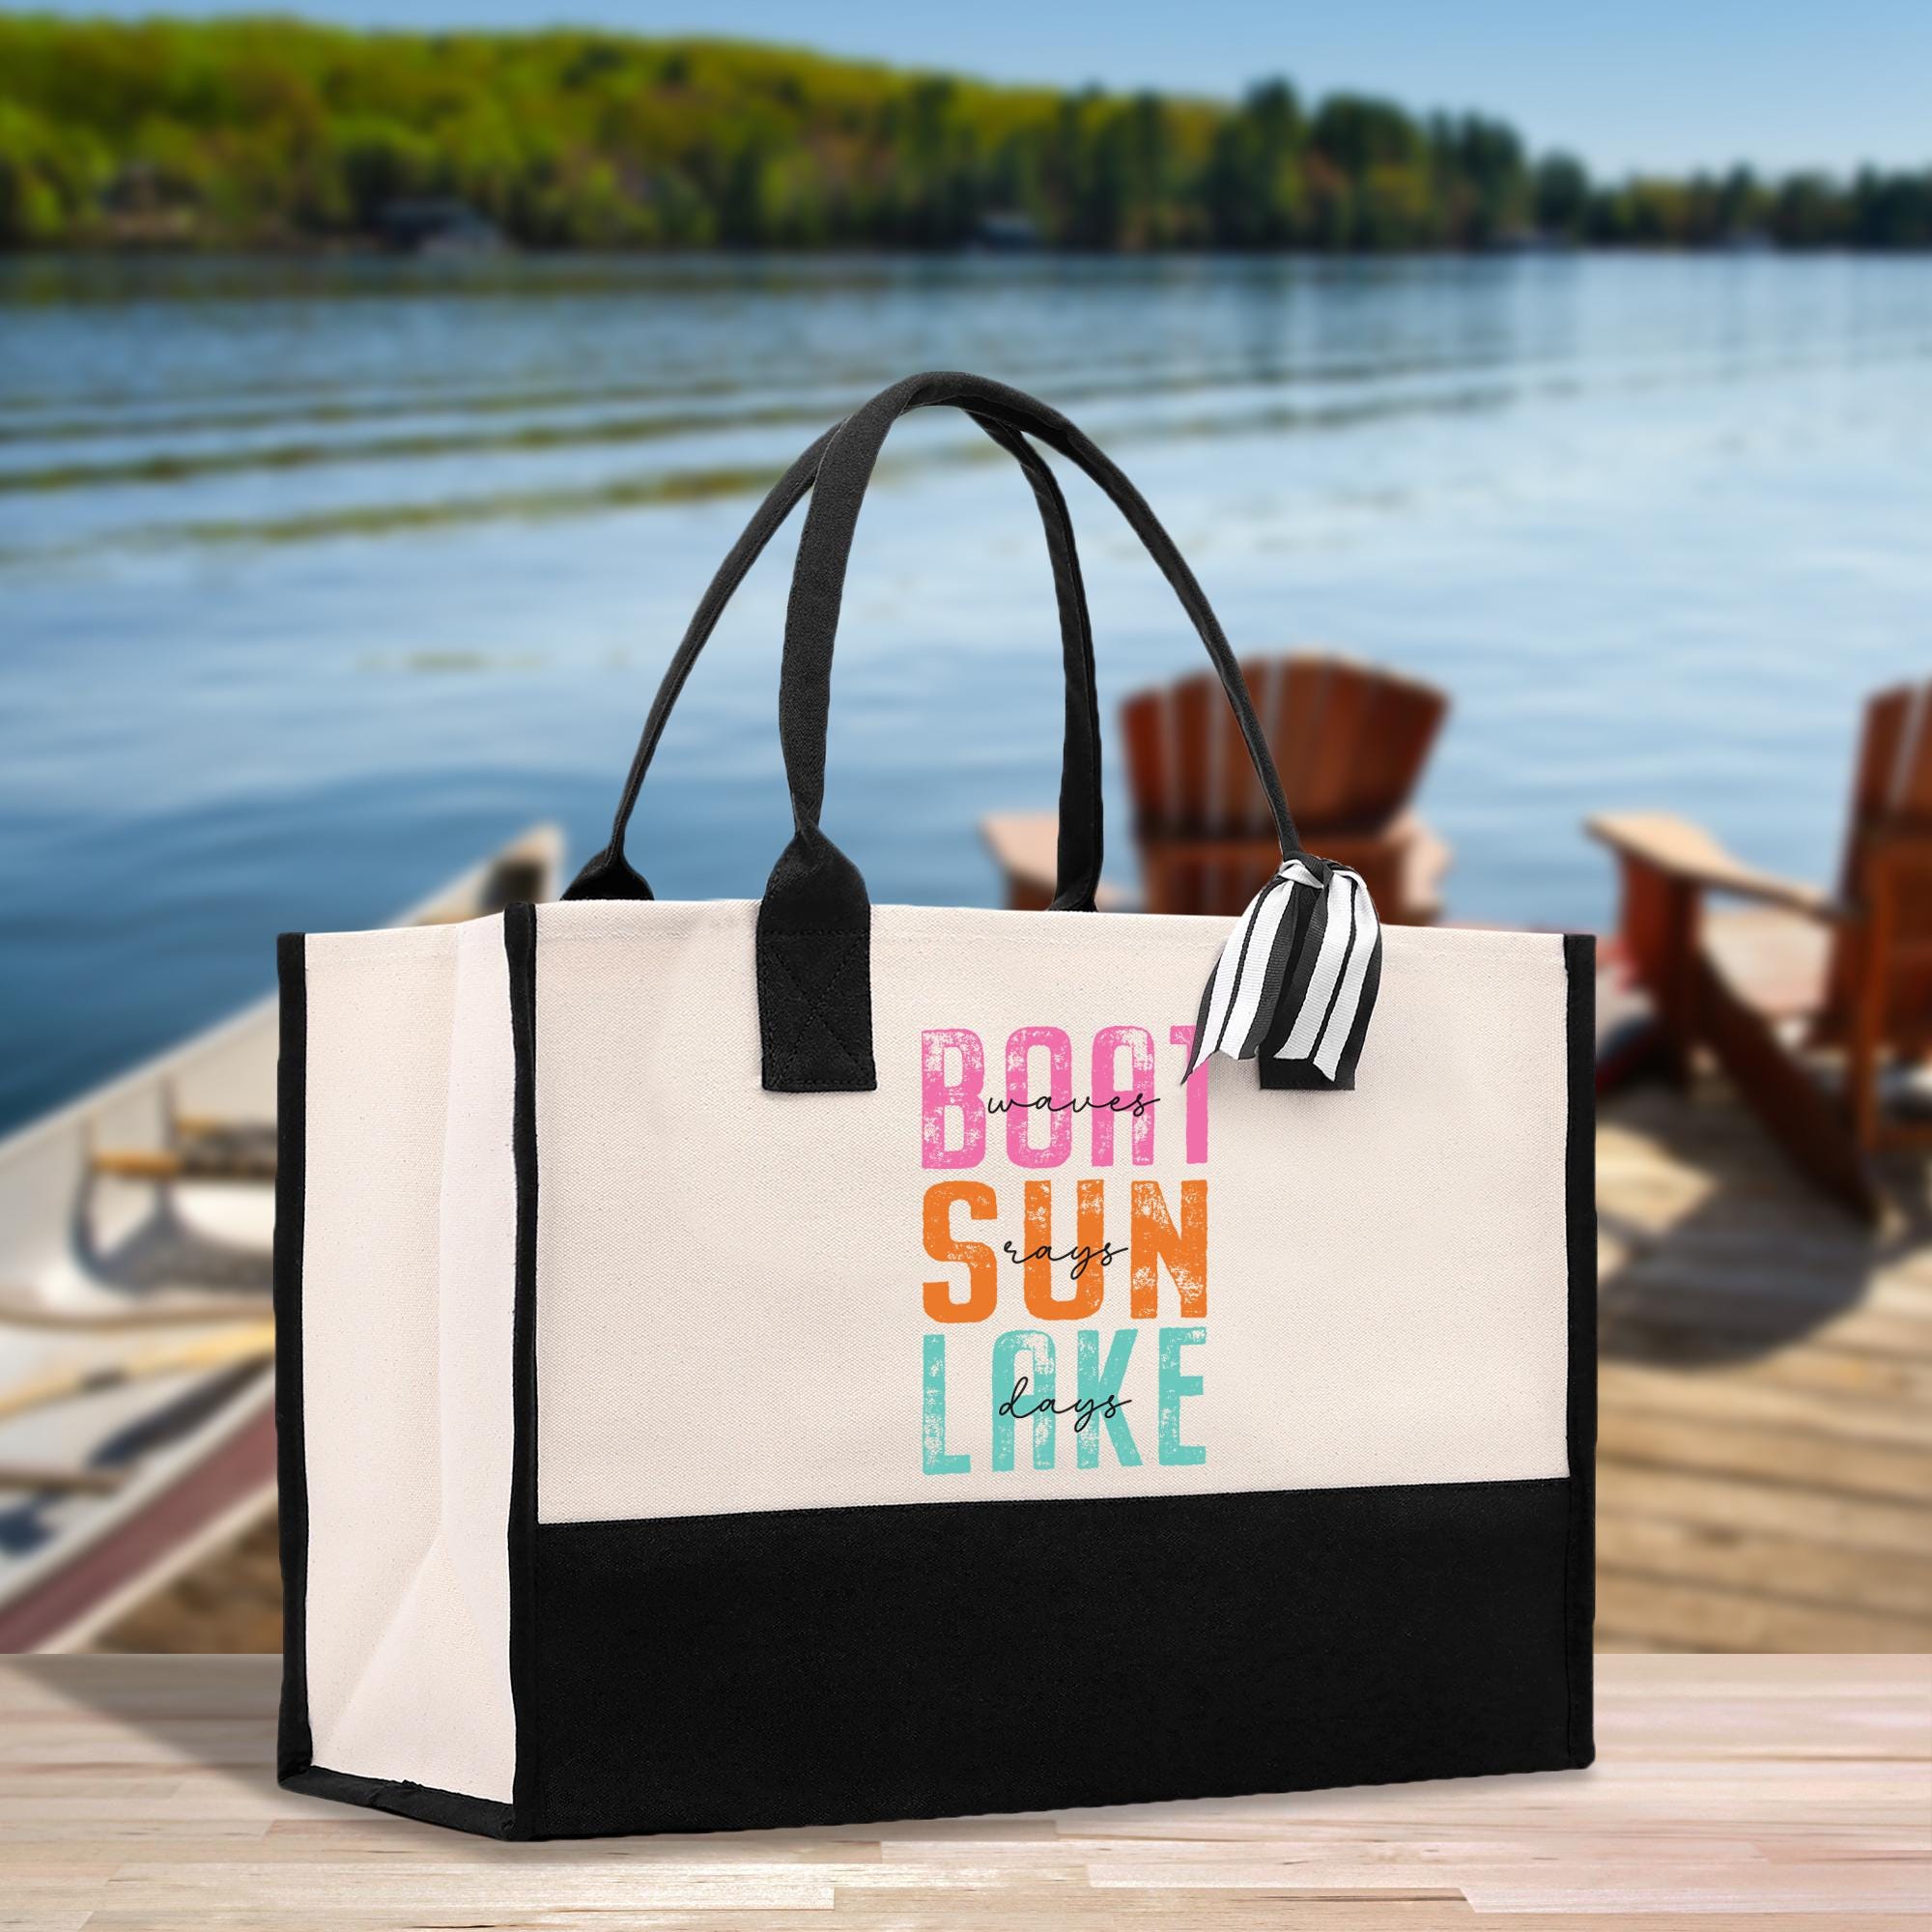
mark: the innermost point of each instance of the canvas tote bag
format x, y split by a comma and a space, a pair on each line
765, 1364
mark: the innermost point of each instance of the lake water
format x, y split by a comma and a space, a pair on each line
317, 580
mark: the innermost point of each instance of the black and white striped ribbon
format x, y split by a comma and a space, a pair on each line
1297, 978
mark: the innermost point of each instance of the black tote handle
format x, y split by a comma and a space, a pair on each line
814, 922
608, 875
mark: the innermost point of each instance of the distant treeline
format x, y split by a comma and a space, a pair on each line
255, 133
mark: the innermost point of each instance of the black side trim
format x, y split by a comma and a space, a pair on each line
294, 1746
801, 1668
1579, 1180
520, 942
454, 1808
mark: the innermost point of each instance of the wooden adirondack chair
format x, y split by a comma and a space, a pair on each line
1350, 741
1779, 992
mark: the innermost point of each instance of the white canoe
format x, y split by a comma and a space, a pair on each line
136, 1386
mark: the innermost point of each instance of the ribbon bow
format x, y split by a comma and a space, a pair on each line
1297, 981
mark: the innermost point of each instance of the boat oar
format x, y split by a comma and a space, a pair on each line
68, 1482
18, 1310
255, 1342
185, 1163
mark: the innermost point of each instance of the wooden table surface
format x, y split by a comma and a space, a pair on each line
135, 1792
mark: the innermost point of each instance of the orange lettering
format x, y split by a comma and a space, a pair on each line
1155, 1240
1088, 1285
983, 1269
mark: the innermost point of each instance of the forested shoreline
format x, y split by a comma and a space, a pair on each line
279, 134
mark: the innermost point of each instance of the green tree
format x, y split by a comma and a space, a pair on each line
1805, 214
1561, 196
1252, 187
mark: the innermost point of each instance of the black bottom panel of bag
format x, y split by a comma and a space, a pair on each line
839, 1666
454, 1808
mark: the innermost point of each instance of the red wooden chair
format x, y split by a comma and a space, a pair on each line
1350, 741
1804, 986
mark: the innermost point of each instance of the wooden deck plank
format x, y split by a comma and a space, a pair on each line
1708, 1324
1786, 1568
1810, 1459
1821, 1521
1871, 1379
1854, 1416
1770, 1265
1694, 1616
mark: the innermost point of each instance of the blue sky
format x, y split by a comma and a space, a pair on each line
1643, 84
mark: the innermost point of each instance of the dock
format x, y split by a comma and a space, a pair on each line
1765, 1456
1765, 1445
